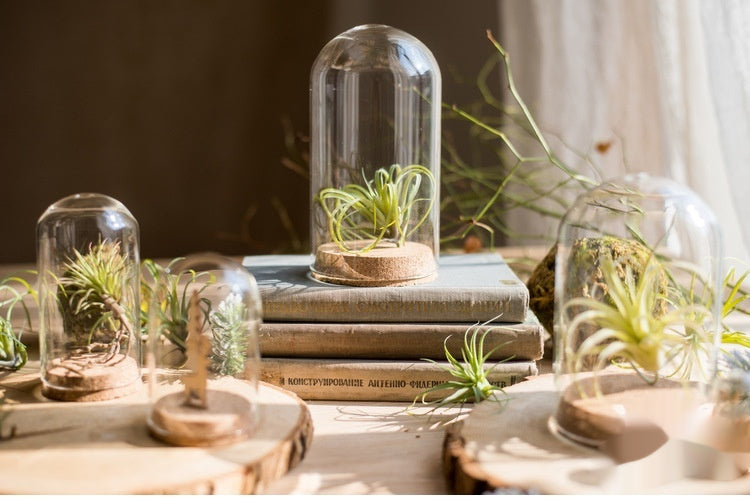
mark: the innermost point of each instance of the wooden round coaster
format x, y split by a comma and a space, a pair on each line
228, 418
384, 265
85, 378
594, 420
514, 450
106, 448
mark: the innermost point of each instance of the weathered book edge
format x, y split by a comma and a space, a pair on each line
522, 341
469, 287
370, 380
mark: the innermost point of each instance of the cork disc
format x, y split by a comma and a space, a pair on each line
384, 265
594, 420
85, 378
226, 419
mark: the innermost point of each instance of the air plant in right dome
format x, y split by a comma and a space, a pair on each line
637, 283
638, 319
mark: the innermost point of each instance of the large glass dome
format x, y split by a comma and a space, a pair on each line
375, 158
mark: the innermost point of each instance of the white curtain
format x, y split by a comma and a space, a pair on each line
666, 83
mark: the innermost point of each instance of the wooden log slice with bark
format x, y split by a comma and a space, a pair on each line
105, 447
515, 450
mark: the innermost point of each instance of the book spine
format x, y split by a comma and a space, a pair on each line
429, 305
522, 341
348, 380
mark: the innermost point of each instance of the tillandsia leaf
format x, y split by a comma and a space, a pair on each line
380, 208
629, 333
228, 325
91, 297
738, 338
13, 353
174, 302
470, 375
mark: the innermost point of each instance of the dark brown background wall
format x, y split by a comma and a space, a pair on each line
175, 108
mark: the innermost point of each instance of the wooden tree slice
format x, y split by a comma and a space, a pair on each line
105, 447
514, 449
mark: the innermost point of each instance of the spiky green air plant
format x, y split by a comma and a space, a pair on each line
380, 209
228, 325
624, 329
469, 377
90, 292
736, 296
174, 299
12, 351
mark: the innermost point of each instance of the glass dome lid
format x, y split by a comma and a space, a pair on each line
375, 158
88, 279
202, 355
637, 297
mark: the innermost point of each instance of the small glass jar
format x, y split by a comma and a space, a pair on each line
375, 159
88, 264
202, 355
637, 307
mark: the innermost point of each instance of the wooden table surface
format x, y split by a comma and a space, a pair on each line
370, 448
362, 448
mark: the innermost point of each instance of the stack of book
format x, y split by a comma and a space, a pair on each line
347, 343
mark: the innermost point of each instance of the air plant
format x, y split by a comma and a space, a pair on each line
173, 299
469, 381
228, 326
383, 208
12, 350
91, 296
624, 330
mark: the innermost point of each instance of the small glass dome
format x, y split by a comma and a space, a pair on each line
637, 301
202, 354
88, 263
375, 159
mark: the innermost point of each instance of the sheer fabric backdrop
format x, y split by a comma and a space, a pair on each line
666, 84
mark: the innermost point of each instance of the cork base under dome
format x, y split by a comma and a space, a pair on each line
385, 265
227, 419
85, 377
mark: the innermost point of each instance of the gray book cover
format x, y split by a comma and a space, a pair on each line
469, 288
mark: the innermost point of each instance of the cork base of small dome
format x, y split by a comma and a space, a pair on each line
86, 378
225, 420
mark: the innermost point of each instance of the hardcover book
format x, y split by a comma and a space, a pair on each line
523, 341
374, 380
469, 288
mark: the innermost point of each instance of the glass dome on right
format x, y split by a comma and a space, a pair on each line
637, 305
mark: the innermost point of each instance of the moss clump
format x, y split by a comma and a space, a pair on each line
541, 285
586, 278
